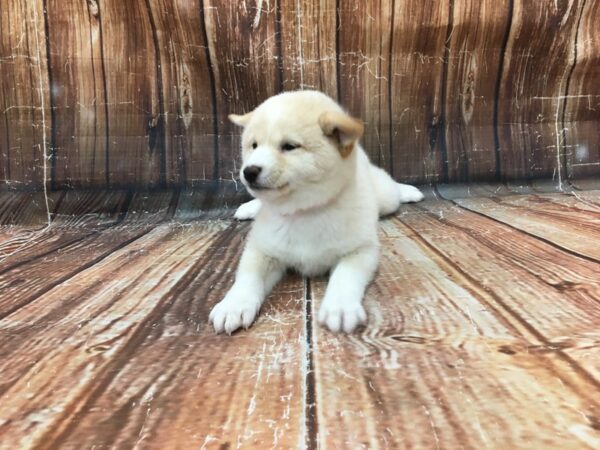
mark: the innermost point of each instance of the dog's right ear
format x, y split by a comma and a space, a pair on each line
345, 130
240, 120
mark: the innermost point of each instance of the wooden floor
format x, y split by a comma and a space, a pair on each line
484, 329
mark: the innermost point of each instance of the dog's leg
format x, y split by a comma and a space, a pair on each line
408, 193
255, 277
248, 210
391, 194
342, 306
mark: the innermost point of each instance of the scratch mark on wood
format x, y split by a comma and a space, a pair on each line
43, 111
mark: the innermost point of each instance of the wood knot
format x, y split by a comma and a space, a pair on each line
93, 7
565, 285
98, 348
594, 422
154, 131
410, 339
507, 350
550, 347
186, 98
436, 126
468, 94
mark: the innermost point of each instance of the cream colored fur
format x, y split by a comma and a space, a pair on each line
316, 208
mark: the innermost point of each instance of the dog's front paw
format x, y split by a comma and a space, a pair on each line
232, 313
409, 194
338, 315
248, 210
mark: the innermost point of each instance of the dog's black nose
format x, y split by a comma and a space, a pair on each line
251, 173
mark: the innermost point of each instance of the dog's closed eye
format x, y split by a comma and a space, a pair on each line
288, 147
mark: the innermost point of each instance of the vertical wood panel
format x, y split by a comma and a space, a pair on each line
419, 35
244, 47
78, 95
185, 76
364, 38
474, 61
308, 45
24, 100
136, 127
141, 89
582, 102
534, 78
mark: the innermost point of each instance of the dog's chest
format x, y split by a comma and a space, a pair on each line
311, 245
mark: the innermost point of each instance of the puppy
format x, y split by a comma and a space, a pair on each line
317, 202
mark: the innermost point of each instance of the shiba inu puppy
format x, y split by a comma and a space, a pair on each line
316, 207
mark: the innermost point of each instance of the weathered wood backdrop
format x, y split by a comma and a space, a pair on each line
136, 92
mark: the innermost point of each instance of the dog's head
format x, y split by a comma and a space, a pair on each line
297, 150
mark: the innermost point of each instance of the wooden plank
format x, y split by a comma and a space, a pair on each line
80, 135
586, 183
530, 105
212, 202
23, 222
26, 208
245, 69
551, 292
134, 95
439, 367
148, 208
308, 45
588, 197
364, 58
24, 97
31, 237
582, 99
89, 209
455, 191
417, 70
564, 221
55, 254
186, 80
78, 218
137, 338
475, 53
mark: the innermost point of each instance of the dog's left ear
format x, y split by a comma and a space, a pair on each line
240, 120
342, 128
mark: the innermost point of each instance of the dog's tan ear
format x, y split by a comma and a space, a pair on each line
341, 127
240, 120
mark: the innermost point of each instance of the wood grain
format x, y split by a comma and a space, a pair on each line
565, 221
582, 99
164, 280
438, 367
211, 203
245, 70
80, 129
482, 334
416, 90
529, 105
364, 58
80, 239
71, 246
24, 98
474, 60
184, 72
137, 151
552, 292
25, 208
308, 45
137, 93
